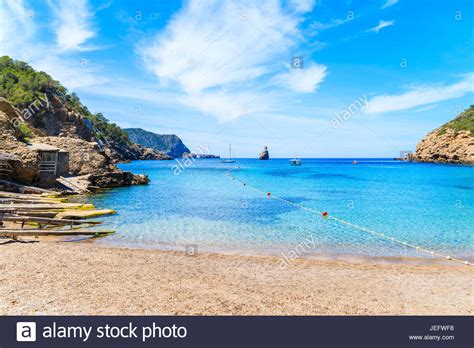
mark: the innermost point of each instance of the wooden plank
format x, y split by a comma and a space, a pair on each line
46, 206
84, 214
25, 201
20, 195
30, 197
70, 185
44, 213
77, 184
29, 188
34, 233
49, 221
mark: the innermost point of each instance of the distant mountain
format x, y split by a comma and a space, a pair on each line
167, 143
451, 143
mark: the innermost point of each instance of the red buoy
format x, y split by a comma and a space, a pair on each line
268, 194
325, 213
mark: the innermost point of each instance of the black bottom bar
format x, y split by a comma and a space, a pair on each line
80, 331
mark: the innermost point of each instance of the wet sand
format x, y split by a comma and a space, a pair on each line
52, 277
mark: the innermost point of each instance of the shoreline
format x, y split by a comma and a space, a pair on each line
349, 258
89, 279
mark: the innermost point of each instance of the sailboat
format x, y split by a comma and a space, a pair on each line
229, 160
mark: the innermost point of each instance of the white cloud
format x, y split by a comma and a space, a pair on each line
224, 106
382, 24
304, 80
71, 73
303, 6
19, 39
215, 52
16, 29
421, 95
316, 27
73, 24
389, 3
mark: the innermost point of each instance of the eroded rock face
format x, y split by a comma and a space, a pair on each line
132, 152
447, 146
55, 119
84, 157
152, 154
26, 169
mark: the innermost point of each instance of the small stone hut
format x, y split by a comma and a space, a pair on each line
53, 162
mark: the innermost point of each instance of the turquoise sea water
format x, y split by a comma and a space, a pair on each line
431, 205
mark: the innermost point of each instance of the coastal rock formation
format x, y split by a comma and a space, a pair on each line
60, 121
148, 153
451, 143
206, 156
84, 157
199, 155
170, 144
45, 108
118, 178
132, 152
27, 167
34, 108
264, 154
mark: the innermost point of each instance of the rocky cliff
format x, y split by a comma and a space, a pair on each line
170, 144
451, 143
36, 109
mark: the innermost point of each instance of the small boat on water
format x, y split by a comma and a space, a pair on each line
296, 161
354, 162
229, 160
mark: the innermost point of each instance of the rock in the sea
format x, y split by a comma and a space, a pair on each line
451, 143
264, 154
117, 178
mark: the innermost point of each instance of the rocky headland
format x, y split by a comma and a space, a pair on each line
451, 143
169, 144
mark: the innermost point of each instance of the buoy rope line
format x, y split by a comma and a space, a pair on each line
355, 226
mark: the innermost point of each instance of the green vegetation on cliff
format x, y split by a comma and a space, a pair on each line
22, 86
463, 122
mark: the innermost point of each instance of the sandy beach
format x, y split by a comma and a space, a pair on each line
57, 278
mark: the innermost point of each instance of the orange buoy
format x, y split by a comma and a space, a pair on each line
325, 213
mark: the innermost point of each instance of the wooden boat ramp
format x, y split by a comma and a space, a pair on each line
47, 214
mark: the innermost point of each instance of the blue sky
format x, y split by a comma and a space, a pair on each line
376, 76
